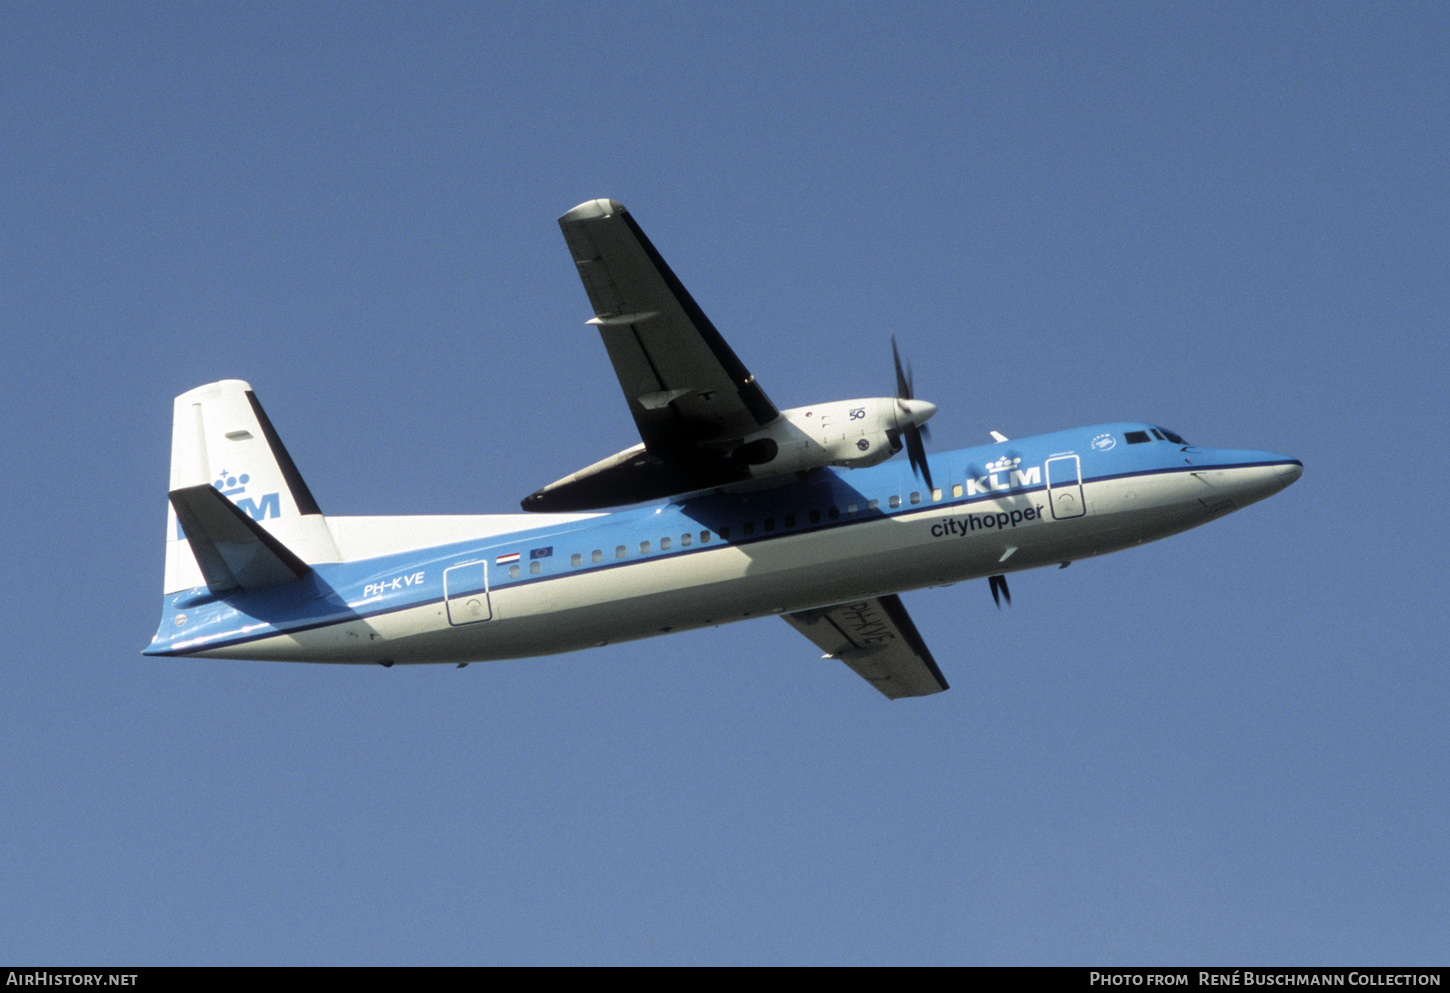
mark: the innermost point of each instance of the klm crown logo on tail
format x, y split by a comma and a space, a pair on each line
270, 504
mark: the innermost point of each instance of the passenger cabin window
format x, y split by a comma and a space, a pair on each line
664, 544
597, 555
576, 559
896, 501
620, 552
644, 548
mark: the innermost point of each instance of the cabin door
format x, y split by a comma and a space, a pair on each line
1064, 487
465, 591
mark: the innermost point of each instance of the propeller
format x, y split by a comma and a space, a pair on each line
909, 411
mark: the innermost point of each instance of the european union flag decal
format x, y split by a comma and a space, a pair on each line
541, 553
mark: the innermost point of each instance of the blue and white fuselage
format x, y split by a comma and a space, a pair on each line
584, 580
749, 511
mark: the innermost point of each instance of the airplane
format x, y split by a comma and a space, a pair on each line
729, 508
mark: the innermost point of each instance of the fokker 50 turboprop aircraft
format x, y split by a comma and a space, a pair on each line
765, 512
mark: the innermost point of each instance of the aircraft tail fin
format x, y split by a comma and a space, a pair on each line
268, 527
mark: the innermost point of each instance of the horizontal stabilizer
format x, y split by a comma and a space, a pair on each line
233, 551
878, 640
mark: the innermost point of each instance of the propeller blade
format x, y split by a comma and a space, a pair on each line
916, 453
903, 379
911, 432
1000, 591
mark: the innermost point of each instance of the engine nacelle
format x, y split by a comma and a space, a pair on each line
849, 433
852, 433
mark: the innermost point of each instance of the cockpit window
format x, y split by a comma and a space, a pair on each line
1161, 434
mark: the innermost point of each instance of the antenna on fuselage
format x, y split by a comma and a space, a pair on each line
1000, 591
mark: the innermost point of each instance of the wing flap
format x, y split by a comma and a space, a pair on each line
878, 640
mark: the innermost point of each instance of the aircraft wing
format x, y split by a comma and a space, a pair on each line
877, 639
684, 385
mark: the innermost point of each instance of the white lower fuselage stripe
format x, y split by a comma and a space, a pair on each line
935, 544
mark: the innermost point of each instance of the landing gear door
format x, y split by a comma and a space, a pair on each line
1064, 487
465, 591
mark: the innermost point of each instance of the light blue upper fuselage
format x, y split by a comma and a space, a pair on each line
984, 491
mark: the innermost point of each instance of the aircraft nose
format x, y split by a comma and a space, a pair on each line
1282, 471
1246, 477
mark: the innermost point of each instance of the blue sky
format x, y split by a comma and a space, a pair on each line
1228, 747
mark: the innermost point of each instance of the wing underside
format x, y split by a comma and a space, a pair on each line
684, 384
878, 640
691, 397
